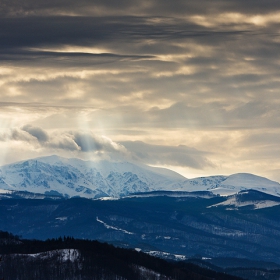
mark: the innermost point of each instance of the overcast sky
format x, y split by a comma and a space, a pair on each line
190, 85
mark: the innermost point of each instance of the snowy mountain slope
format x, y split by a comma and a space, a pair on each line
74, 177
228, 185
55, 175
244, 181
249, 198
201, 183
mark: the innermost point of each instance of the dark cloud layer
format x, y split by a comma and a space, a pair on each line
87, 7
31, 32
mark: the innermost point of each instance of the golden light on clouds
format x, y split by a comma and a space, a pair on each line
188, 86
73, 49
236, 18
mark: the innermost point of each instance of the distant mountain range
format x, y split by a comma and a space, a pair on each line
149, 209
72, 177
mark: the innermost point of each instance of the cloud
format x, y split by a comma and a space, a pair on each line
135, 7
89, 142
36, 132
143, 60
168, 155
62, 141
86, 142
201, 74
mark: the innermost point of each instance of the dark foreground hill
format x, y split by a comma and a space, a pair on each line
69, 258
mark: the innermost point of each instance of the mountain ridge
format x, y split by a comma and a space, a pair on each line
93, 179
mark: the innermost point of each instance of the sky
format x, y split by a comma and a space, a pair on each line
193, 86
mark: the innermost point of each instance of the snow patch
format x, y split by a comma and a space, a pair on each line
167, 237
145, 272
61, 218
233, 202
167, 255
63, 254
112, 227
5, 191
108, 198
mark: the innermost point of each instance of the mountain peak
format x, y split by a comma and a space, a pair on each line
92, 179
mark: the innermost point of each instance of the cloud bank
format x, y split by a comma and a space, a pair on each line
103, 147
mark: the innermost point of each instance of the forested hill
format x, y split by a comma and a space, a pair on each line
70, 259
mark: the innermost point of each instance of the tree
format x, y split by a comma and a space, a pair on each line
0, 262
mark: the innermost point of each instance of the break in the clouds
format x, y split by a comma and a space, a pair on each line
192, 85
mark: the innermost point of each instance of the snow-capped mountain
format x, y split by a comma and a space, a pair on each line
55, 175
75, 177
228, 185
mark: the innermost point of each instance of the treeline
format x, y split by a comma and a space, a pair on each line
94, 261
